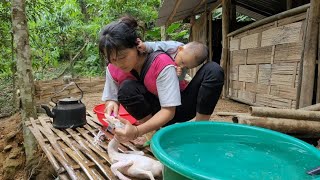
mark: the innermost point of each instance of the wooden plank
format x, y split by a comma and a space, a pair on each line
284, 34
284, 92
250, 41
259, 55
238, 57
234, 44
257, 88
247, 73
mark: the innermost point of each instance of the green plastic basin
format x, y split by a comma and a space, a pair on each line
214, 150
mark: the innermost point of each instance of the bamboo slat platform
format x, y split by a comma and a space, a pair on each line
72, 152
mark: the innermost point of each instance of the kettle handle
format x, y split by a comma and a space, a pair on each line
71, 83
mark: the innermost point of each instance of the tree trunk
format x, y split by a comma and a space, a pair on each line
25, 77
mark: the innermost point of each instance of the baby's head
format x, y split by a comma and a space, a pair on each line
191, 55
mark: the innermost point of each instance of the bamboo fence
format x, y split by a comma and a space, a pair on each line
44, 90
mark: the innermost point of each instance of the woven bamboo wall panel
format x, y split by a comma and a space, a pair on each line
250, 41
234, 44
247, 73
284, 91
273, 101
288, 52
257, 88
234, 73
284, 34
264, 63
239, 57
246, 96
264, 74
259, 55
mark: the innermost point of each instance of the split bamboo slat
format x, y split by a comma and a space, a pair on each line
73, 153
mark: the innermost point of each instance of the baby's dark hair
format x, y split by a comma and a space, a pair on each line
199, 50
118, 36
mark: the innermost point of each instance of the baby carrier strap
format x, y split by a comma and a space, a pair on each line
149, 60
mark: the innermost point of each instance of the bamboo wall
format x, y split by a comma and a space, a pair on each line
44, 90
264, 63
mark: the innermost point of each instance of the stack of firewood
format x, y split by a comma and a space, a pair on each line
304, 121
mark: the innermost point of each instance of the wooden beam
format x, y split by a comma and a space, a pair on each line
215, 5
273, 18
198, 6
310, 53
173, 13
226, 4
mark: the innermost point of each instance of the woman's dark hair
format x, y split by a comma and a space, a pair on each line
117, 36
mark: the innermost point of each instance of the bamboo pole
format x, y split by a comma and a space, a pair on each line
315, 107
309, 56
318, 83
270, 19
301, 60
225, 44
285, 113
230, 113
283, 125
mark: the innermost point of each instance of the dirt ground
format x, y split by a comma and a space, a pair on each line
12, 160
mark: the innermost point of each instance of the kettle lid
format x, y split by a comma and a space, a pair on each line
68, 100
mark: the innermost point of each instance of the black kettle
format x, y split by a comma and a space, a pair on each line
68, 112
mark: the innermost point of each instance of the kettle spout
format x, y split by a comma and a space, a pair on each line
48, 111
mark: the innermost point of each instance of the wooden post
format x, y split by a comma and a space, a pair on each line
233, 16
225, 44
309, 56
318, 83
210, 35
289, 4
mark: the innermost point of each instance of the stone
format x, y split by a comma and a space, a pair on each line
11, 135
7, 148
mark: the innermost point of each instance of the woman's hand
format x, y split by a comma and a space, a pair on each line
127, 133
112, 107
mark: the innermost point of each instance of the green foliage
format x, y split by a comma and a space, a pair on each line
58, 29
